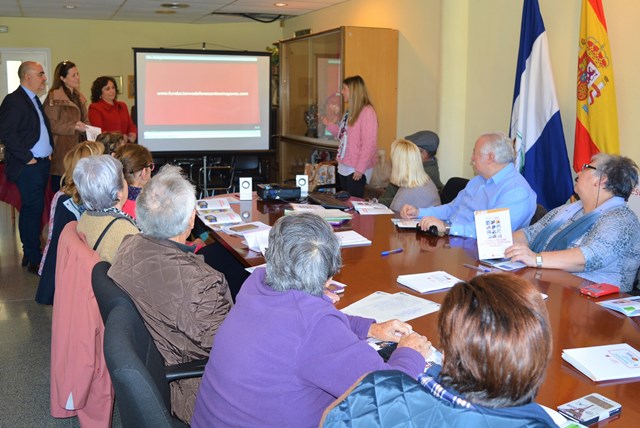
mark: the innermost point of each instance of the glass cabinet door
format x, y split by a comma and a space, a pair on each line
310, 89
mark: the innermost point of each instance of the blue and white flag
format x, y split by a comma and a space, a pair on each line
541, 151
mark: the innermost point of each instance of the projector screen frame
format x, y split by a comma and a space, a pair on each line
205, 145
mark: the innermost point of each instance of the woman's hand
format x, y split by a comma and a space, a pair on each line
357, 176
334, 297
80, 126
132, 137
418, 343
521, 253
390, 331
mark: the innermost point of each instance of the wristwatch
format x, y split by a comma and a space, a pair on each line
447, 227
539, 260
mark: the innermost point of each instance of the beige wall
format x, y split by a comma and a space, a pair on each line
105, 47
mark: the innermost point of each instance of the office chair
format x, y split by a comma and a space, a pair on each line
144, 355
540, 212
451, 189
248, 166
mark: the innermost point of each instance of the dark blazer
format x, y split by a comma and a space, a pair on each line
19, 131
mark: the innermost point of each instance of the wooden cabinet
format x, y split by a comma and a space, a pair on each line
312, 69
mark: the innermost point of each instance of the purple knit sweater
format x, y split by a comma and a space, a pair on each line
280, 358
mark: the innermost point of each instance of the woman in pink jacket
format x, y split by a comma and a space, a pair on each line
358, 136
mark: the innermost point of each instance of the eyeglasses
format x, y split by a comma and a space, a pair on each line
152, 166
588, 166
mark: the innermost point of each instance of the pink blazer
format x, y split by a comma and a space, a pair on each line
80, 381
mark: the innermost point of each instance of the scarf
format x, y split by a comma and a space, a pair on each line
342, 136
549, 239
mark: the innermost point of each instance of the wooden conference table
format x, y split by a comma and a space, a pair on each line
575, 319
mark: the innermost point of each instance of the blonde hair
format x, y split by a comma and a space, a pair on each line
82, 150
358, 97
406, 165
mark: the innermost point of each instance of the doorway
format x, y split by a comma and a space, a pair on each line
10, 60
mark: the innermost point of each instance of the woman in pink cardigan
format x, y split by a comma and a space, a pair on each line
358, 136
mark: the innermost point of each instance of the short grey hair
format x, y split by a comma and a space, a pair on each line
99, 179
166, 203
500, 145
621, 172
303, 254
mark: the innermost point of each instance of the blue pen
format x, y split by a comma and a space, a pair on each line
397, 250
478, 268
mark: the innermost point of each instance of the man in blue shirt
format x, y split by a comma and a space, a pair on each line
26, 134
497, 185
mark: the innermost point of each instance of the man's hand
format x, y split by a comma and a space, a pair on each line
427, 222
408, 211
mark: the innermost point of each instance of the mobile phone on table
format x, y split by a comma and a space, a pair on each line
599, 290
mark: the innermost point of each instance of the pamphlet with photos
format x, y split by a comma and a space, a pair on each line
493, 233
370, 208
607, 362
630, 306
212, 204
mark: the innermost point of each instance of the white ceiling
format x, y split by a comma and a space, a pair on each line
198, 12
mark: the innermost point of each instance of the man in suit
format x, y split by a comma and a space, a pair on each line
26, 134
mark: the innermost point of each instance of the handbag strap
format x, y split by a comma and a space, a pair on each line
106, 229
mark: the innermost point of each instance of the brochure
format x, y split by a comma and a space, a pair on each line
370, 208
429, 281
351, 238
607, 362
630, 306
493, 233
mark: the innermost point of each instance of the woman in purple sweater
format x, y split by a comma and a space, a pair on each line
358, 136
284, 353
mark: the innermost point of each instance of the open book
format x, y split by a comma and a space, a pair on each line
607, 362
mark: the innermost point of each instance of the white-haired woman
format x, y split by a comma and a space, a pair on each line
285, 352
103, 190
182, 299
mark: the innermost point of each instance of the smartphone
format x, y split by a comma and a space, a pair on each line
599, 290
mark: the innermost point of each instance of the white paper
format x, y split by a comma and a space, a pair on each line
246, 228
218, 217
405, 223
350, 238
257, 241
493, 233
429, 281
383, 307
93, 132
250, 269
306, 207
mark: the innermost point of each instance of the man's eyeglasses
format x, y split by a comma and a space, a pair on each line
588, 166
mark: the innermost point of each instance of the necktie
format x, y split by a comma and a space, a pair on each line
38, 102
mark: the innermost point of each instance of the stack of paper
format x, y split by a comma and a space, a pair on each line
383, 307
608, 362
370, 208
216, 211
630, 306
307, 207
351, 238
429, 281
327, 214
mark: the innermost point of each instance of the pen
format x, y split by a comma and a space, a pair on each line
478, 268
397, 250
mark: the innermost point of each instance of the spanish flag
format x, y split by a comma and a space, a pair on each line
596, 111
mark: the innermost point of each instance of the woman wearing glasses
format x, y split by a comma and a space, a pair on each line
137, 165
598, 237
66, 110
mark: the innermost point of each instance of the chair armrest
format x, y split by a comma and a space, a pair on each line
185, 370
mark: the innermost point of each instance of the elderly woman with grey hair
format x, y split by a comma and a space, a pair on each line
103, 190
182, 300
285, 352
598, 237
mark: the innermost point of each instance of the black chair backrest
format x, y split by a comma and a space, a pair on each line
540, 212
451, 189
137, 371
108, 294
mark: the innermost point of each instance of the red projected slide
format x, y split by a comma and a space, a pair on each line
193, 93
